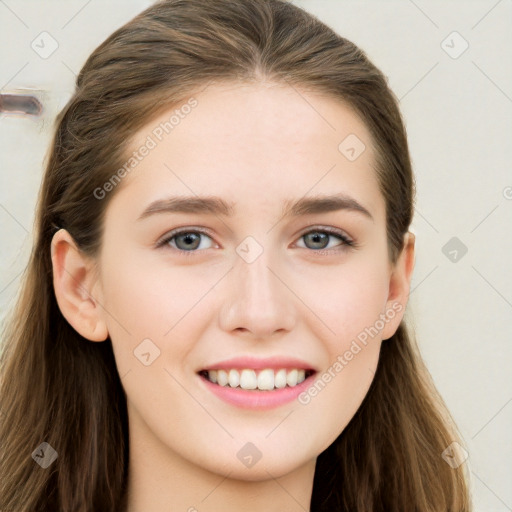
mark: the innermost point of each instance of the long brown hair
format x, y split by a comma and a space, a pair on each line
59, 388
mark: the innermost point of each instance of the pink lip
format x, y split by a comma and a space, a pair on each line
256, 399
275, 363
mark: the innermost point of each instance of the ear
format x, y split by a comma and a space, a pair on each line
399, 287
75, 282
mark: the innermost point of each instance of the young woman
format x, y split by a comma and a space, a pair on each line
212, 317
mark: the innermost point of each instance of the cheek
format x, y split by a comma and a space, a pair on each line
351, 304
360, 303
346, 299
162, 303
341, 386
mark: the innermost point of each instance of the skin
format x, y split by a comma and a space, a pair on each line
256, 146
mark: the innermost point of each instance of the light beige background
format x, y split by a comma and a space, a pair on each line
458, 112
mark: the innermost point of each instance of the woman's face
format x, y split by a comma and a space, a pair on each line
251, 283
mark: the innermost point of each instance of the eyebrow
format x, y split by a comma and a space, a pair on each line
219, 207
323, 204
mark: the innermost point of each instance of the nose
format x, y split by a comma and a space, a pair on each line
258, 301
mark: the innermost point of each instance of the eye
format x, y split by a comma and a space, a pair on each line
189, 241
185, 240
318, 239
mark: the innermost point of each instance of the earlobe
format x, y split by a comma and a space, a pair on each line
399, 286
74, 280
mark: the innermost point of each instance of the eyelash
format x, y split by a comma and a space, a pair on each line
346, 241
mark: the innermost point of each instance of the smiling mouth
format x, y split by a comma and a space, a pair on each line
262, 380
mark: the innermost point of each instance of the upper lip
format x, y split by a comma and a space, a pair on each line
254, 363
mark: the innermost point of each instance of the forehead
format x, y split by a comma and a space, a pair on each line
257, 142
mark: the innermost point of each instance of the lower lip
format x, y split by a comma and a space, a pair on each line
257, 399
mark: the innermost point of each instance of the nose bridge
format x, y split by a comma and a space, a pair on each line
258, 283
258, 301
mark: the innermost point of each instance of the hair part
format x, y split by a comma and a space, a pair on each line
58, 387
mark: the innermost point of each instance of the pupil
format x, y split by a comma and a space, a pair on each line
189, 239
317, 238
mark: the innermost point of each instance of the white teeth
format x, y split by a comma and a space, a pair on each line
291, 378
265, 380
234, 378
248, 379
222, 378
280, 379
